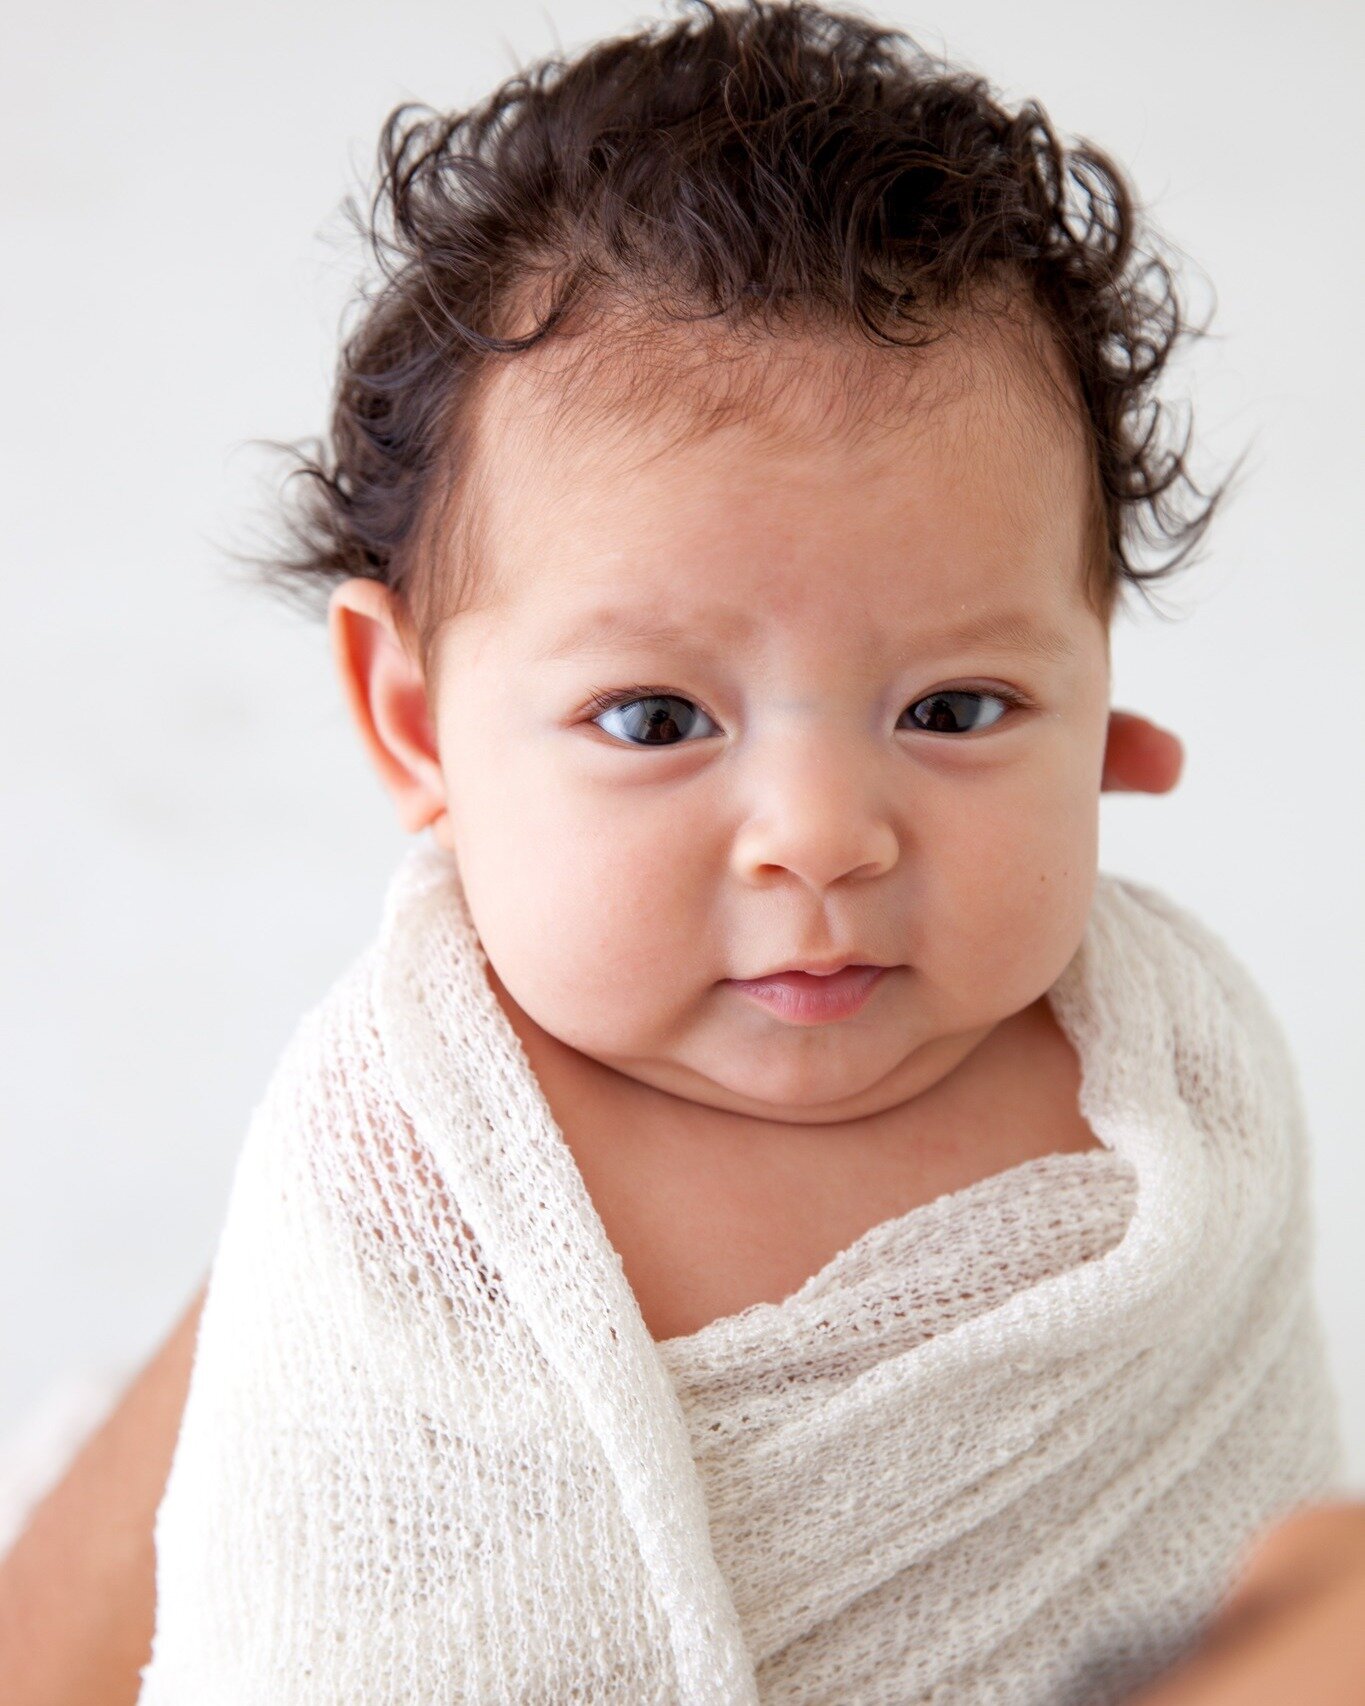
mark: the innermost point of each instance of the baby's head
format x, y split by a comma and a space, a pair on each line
729, 495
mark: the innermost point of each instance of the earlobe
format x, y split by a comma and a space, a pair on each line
383, 686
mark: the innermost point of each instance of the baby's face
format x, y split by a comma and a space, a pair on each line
817, 760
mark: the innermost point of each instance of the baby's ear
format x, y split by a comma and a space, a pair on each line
1140, 757
381, 677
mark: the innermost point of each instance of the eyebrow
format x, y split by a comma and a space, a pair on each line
599, 630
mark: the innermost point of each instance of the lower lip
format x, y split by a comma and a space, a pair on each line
803, 999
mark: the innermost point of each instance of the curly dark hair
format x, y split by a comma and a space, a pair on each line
740, 163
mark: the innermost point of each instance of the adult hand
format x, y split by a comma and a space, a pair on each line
1293, 1627
1140, 758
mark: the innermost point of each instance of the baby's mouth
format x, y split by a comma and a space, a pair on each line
804, 999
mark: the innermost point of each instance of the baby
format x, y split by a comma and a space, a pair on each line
762, 1210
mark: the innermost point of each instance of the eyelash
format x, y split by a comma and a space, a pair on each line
605, 699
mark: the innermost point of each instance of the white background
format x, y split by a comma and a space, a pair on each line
194, 843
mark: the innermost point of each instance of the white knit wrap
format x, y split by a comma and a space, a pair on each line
431, 1453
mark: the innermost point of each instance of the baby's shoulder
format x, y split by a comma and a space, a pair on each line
1151, 912
1196, 955
332, 1047
328, 1103
339, 1112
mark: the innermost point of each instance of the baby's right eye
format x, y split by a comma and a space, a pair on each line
653, 715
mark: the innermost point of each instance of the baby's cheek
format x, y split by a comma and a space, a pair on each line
1022, 896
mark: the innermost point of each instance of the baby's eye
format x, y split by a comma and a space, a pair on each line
946, 712
654, 717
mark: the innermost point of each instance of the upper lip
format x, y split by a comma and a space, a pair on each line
818, 968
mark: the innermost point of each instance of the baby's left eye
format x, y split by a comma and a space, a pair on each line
945, 712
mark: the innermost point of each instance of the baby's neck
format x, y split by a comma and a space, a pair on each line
711, 1211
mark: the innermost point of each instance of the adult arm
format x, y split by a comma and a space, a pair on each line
78, 1587
1294, 1627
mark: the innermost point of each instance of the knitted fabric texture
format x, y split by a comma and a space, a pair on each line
1010, 1447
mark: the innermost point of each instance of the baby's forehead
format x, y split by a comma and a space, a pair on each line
651, 389
701, 416
594, 521
674, 425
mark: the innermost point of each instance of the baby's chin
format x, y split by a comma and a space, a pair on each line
828, 1079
